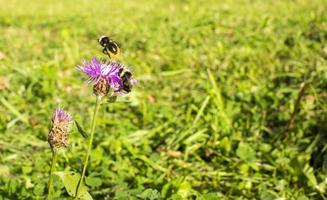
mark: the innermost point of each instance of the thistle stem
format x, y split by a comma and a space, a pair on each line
53, 165
89, 148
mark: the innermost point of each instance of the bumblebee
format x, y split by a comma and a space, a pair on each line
109, 46
126, 77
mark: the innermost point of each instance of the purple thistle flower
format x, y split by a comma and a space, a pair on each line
94, 69
58, 135
106, 76
61, 116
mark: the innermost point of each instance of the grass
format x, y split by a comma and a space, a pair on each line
218, 112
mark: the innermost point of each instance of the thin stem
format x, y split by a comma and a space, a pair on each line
296, 109
96, 109
53, 165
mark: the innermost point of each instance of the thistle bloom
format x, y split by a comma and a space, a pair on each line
58, 135
107, 76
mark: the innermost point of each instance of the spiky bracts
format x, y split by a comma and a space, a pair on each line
58, 135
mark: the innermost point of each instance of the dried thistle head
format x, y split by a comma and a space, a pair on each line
58, 135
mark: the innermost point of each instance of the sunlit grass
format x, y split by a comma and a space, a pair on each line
218, 83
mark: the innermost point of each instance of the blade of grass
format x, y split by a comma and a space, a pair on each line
20, 116
203, 106
297, 104
218, 99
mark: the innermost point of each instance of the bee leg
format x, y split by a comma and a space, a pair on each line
105, 51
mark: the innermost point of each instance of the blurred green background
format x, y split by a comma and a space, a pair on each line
230, 102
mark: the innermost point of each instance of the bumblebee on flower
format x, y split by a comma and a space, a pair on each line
108, 77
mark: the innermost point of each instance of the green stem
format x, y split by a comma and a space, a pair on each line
96, 109
53, 165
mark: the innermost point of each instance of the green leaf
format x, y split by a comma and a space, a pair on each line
209, 196
309, 173
149, 194
245, 152
81, 130
70, 181
27, 169
166, 190
226, 144
93, 181
185, 190
38, 189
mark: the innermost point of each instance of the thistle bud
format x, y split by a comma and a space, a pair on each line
58, 135
101, 88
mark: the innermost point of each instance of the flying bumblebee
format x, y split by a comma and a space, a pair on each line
109, 46
126, 77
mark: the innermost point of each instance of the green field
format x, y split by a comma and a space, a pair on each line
231, 100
